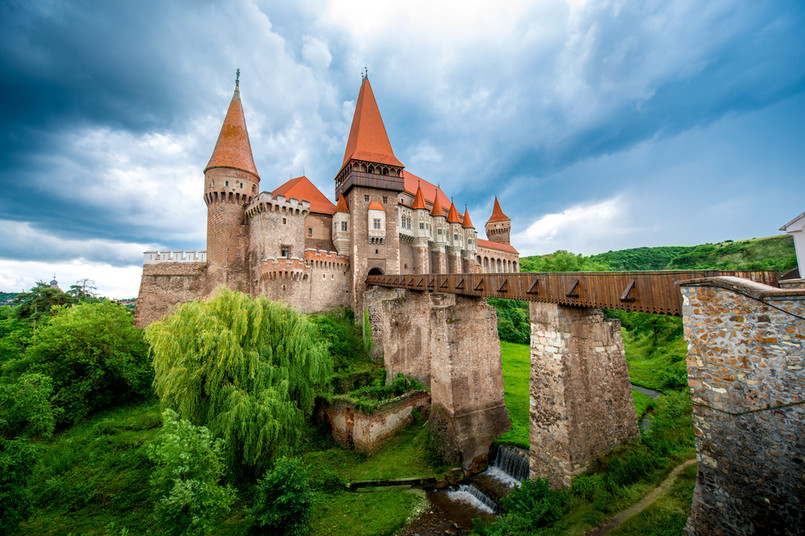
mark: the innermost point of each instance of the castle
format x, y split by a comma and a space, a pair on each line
296, 246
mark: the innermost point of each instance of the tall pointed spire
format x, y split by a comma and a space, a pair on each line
367, 137
342, 205
437, 209
497, 213
233, 149
452, 215
419, 199
467, 222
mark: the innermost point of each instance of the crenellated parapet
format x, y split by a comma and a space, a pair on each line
267, 203
326, 260
154, 257
293, 268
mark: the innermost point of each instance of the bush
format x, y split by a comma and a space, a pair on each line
532, 506
25, 407
283, 502
189, 468
17, 461
95, 357
343, 338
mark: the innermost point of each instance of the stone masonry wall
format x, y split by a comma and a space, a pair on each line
746, 355
449, 343
581, 399
166, 284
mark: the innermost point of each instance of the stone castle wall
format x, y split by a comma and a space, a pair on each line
581, 398
746, 372
165, 284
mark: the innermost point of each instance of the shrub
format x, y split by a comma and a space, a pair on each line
532, 506
189, 467
283, 502
95, 357
25, 407
17, 460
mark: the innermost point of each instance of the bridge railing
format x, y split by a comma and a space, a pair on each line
648, 292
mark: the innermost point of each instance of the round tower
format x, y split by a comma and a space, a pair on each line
230, 181
499, 226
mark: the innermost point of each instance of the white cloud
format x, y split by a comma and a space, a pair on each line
316, 52
116, 282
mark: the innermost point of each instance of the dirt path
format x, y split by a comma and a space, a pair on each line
636, 508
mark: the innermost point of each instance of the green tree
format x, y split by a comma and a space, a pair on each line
17, 461
95, 357
244, 367
561, 261
15, 335
283, 502
40, 300
25, 408
187, 478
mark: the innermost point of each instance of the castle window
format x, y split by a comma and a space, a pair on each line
212, 183
226, 183
254, 188
376, 223
343, 226
285, 251
439, 232
455, 237
284, 220
309, 231
366, 198
385, 200
377, 252
241, 185
421, 225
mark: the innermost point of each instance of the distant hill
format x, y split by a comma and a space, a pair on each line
7, 297
771, 253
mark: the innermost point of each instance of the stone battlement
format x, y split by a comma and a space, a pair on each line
319, 258
265, 202
154, 257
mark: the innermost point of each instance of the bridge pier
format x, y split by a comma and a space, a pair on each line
581, 398
449, 343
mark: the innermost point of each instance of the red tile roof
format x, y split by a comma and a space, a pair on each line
301, 188
419, 199
367, 136
429, 190
497, 213
374, 205
466, 222
495, 245
437, 209
233, 150
452, 215
342, 204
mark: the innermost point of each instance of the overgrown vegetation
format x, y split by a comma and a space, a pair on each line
370, 397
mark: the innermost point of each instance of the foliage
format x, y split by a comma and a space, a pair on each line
40, 300
528, 508
772, 253
25, 408
342, 337
383, 512
514, 324
189, 467
653, 258
244, 367
369, 397
95, 357
15, 335
516, 361
671, 431
17, 461
283, 502
368, 343
561, 261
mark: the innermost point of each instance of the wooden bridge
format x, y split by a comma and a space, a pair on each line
648, 292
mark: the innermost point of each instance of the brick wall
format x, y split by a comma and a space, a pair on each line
166, 284
581, 399
746, 354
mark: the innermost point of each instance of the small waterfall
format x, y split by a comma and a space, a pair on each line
469, 494
512, 463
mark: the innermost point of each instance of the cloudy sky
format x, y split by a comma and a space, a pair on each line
600, 125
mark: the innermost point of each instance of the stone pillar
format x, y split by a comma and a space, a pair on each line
581, 399
746, 372
421, 257
450, 344
439, 264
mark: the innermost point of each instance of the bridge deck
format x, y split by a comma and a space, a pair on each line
648, 292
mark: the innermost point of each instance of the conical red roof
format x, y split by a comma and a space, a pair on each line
452, 215
302, 189
367, 136
437, 209
233, 150
342, 204
467, 222
419, 199
497, 213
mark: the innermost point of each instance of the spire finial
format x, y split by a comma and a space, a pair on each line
237, 77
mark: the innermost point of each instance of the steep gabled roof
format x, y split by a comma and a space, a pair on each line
437, 209
452, 214
429, 190
342, 204
374, 205
301, 188
466, 222
495, 245
367, 136
497, 213
419, 199
233, 150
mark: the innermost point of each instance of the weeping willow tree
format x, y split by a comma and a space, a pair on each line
244, 367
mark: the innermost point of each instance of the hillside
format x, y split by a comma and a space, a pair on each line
770, 253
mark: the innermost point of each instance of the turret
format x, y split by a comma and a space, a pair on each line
498, 228
470, 241
230, 181
341, 226
455, 240
439, 236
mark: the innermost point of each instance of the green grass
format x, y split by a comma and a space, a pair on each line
516, 377
374, 513
642, 403
668, 514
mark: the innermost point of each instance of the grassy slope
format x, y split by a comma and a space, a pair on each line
516, 376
